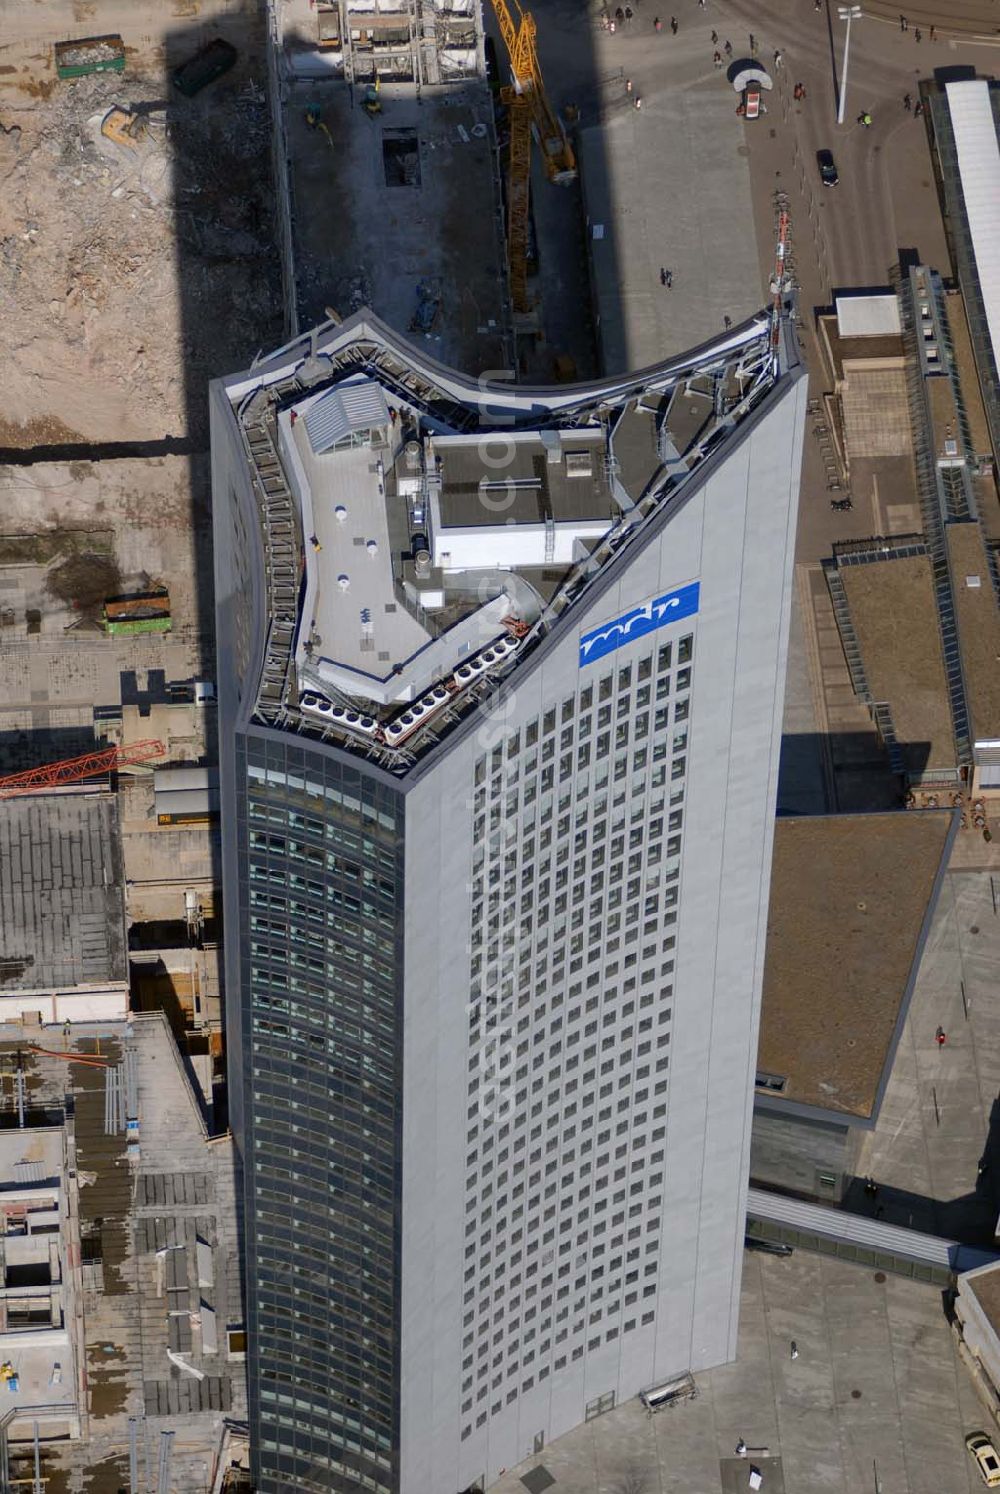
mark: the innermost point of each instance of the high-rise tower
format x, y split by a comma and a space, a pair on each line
501, 675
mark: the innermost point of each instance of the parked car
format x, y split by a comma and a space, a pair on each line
828, 173
987, 1458
751, 106
768, 1247
204, 67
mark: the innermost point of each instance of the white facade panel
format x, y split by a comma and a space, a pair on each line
735, 536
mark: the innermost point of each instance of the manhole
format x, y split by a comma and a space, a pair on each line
855, 1395
880, 1277
974, 929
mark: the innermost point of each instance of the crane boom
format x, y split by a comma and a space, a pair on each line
527, 102
518, 198
73, 769
519, 39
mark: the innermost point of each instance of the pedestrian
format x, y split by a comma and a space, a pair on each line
794, 1349
620, 15
932, 34
777, 59
656, 24
728, 49
663, 276
727, 322
918, 109
715, 38
753, 47
940, 1037
702, 4
907, 102
904, 24
918, 35
628, 15
717, 58
670, 280
628, 85
818, 5
673, 24
638, 101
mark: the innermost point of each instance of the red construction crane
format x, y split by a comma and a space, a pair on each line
72, 769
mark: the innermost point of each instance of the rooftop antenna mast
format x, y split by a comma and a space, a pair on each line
781, 279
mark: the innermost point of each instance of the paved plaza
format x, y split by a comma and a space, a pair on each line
876, 1400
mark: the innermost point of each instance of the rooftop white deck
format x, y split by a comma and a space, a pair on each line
361, 623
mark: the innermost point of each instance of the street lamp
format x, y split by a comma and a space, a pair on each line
847, 13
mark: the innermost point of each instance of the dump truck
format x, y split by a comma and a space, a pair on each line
91, 54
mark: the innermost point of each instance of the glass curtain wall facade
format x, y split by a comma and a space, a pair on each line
320, 851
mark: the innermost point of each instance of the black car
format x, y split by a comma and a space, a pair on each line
828, 173
767, 1247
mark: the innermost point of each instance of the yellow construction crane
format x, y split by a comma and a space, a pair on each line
527, 104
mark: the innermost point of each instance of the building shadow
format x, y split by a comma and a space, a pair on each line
843, 772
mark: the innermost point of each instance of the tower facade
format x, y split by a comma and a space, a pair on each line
501, 677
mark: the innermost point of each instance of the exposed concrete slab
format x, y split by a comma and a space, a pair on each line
362, 239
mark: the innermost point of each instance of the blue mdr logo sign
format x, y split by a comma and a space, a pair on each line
658, 613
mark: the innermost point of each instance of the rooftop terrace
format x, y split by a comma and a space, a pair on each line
444, 525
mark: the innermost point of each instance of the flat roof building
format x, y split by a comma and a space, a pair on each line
62, 908
919, 614
852, 899
41, 1339
501, 674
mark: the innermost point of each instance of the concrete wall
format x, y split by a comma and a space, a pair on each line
789, 1153
978, 1333
107, 1004
736, 535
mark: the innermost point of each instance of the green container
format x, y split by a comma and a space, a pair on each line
91, 54
132, 625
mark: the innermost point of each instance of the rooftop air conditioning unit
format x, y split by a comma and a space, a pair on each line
579, 464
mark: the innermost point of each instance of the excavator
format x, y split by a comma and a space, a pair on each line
527, 105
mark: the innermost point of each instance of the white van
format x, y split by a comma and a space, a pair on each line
669, 1393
